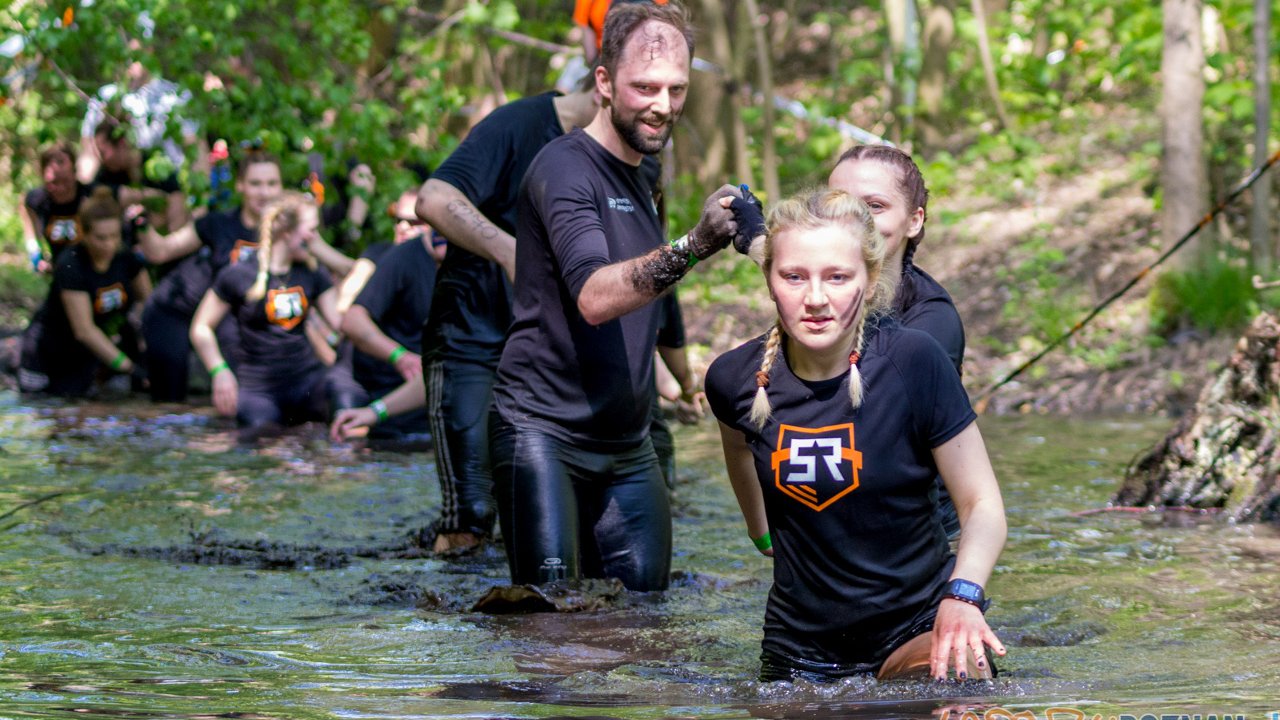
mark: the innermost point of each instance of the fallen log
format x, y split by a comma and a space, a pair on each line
1223, 454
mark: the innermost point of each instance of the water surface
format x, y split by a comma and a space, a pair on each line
159, 571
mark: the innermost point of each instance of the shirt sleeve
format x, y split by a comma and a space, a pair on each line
574, 227
939, 403
940, 320
230, 285
69, 273
379, 292
477, 167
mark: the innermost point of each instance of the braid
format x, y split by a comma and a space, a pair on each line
760, 409
263, 256
855, 376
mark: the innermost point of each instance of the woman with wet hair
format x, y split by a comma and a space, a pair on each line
890, 183
279, 381
83, 328
201, 249
834, 425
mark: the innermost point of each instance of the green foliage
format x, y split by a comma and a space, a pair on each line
1039, 296
1217, 296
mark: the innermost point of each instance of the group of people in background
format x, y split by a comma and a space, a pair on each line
525, 317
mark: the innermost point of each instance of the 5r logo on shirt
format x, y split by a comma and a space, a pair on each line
62, 230
286, 307
109, 299
816, 466
244, 251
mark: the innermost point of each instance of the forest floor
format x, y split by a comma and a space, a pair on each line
1025, 260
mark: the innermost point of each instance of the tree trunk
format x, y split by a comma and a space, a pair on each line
988, 64
939, 35
712, 110
1183, 169
1264, 251
1226, 453
764, 68
903, 66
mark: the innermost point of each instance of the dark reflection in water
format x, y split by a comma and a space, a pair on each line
151, 568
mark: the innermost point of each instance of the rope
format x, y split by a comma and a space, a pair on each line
981, 400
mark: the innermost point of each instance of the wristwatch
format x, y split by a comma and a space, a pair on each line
966, 591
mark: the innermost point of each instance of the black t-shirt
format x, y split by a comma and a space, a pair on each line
110, 294
225, 240
859, 558
375, 251
670, 321
57, 222
580, 209
923, 304
398, 298
471, 310
274, 348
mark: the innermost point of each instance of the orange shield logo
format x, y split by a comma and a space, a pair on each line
243, 250
816, 466
109, 299
286, 307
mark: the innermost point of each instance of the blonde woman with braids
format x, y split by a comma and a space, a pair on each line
279, 381
834, 425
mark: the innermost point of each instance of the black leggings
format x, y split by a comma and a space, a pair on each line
69, 370
459, 395
168, 336
262, 406
568, 513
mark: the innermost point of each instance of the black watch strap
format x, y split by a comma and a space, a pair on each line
966, 591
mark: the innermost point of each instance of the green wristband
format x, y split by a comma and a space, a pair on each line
681, 245
762, 543
213, 371
379, 409
396, 354
118, 362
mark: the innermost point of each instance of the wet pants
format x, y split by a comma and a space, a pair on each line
69, 370
569, 512
459, 395
298, 399
168, 336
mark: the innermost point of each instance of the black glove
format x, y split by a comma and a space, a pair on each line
749, 214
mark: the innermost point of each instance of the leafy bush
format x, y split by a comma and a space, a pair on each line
1217, 296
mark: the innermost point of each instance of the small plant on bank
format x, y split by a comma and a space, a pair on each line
1219, 296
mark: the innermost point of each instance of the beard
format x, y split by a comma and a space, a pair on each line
630, 131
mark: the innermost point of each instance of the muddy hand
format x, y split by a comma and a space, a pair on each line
716, 228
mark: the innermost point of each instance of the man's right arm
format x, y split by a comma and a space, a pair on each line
617, 289
454, 216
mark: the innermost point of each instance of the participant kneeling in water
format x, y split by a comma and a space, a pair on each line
280, 380
834, 424
83, 326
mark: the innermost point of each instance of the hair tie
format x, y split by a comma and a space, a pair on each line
762, 379
854, 357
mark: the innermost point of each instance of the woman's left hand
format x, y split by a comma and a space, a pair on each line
958, 630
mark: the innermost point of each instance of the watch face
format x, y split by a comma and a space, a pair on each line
966, 589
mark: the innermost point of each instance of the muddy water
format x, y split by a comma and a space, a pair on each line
149, 568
